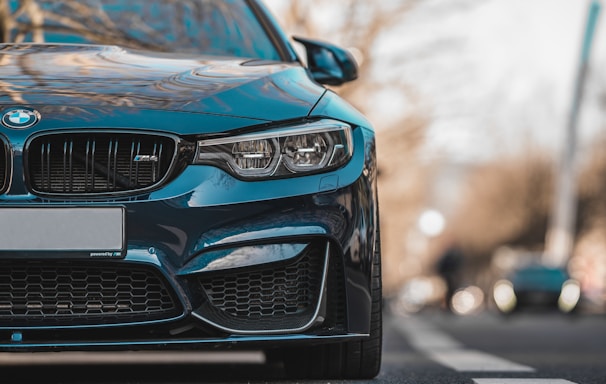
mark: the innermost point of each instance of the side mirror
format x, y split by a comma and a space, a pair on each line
328, 63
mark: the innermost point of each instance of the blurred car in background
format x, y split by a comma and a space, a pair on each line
537, 287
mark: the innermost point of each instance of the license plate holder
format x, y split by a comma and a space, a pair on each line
62, 232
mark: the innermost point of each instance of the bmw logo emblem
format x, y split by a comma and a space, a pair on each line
20, 118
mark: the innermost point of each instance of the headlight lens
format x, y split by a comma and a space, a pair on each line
504, 295
313, 147
569, 295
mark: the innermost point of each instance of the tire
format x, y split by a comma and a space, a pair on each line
348, 360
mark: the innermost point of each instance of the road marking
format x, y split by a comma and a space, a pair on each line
451, 353
522, 381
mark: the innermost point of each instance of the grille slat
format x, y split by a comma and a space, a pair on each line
131, 162
57, 293
4, 165
97, 163
154, 168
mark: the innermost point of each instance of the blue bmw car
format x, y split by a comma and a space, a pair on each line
174, 176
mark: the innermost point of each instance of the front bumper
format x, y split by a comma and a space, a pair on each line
187, 241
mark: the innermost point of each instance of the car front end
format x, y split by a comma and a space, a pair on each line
129, 220
186, 201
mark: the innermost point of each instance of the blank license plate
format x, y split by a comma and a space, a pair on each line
96, 231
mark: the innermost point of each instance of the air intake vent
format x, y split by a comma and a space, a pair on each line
73, 294
97, 163
272, 299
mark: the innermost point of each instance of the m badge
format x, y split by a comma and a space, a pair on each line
146, 159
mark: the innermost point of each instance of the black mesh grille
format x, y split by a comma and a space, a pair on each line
4, 165
59, 293
273, 298
94, 163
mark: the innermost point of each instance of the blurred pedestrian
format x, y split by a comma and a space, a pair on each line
449, 267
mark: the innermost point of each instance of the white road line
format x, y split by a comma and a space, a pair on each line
476, 361
449, 352
522, 381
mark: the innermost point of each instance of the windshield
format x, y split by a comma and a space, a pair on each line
214, 27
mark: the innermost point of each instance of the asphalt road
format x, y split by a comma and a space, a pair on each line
492, 349
432, 348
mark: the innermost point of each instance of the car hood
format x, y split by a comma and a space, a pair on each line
108, 76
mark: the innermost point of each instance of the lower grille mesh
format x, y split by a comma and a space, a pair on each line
59, 293
273, 298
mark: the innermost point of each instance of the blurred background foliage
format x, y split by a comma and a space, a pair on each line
494, 208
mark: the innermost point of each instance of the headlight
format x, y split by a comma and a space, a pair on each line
569, 295
504, 296
313, 147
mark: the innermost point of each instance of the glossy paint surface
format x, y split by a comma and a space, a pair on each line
202, 219
49, 74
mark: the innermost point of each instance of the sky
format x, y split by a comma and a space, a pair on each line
493, 76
